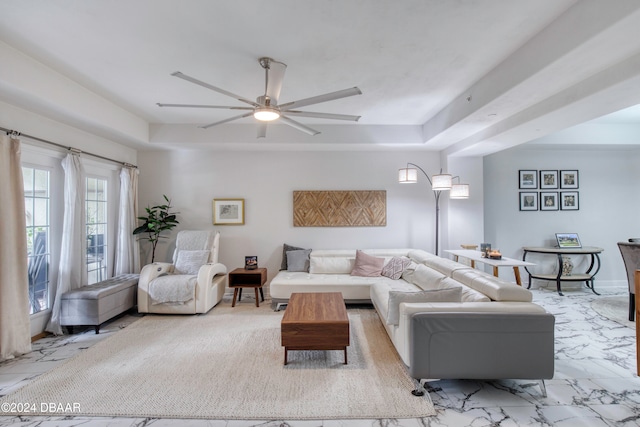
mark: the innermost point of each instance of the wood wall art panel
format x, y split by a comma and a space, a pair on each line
340, 208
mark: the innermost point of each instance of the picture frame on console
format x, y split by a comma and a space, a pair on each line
548, 179
528, 201
528, 179
548, 200
568, 179
228, 211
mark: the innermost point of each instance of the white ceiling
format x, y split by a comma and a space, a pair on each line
468, 77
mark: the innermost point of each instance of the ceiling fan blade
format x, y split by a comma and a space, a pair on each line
274, 78
227, 120
213, 88
321, 98
203, 106
262, 130
324, 115
297, 125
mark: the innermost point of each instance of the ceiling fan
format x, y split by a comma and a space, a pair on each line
266, 107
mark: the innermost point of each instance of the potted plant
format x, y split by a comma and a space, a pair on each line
158, 219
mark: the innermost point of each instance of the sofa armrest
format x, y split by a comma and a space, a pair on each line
208, 271
210, 286
481, 345
147, 274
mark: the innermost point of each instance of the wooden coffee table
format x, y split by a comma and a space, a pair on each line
315, 321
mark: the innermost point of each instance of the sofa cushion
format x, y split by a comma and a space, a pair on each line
395, 267
189, 262
424, 277
367, 265
468, 294
444, 265
286, 248
298, 260
332, 261
491, 286
435, 295
420, 256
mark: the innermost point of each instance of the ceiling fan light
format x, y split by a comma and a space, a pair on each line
266, 114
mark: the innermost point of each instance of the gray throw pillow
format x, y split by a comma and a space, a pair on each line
298, 260
286, 248
438, 295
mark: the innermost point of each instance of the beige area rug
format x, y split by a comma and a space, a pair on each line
228, 364
615, 308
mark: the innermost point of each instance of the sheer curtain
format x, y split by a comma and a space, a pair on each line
71, 255
15, 330
127, 258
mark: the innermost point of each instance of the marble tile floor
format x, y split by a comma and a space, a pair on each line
595, 381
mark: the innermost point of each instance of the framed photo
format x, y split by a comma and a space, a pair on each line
568, 240
568, 179
548, 200
250, 262
528, 201
228, 211
528, 179
569, 201
548, 179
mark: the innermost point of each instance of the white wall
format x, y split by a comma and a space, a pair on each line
266, 180
608, 188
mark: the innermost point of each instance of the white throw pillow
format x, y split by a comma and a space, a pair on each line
438, 295
189, 262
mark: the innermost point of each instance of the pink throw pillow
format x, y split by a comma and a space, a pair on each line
367, 265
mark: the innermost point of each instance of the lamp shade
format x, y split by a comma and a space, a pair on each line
441, 182
459, 191
408, 175
266, 114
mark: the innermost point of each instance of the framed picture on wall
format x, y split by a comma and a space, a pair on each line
569, 201
528, 201
548, 179
548, 200
228, 211
528, 179
568, 179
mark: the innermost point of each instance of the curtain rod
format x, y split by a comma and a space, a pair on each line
75, 150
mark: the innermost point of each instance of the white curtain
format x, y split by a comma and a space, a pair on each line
72, 258
15, 329
127, 258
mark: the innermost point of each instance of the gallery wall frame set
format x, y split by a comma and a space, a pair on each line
548, 179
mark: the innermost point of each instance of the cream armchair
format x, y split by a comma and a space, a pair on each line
193, 283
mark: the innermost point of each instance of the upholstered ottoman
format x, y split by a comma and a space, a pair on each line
95, 304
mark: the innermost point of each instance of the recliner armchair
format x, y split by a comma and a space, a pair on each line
193, 283
631, 256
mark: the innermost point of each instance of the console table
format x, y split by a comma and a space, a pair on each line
587, 277
495, 263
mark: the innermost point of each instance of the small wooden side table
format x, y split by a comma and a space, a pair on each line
242, 278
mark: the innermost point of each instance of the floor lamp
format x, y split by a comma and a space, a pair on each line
439, 183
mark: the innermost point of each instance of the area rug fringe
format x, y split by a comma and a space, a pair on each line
228, 364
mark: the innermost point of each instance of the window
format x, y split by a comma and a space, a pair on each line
96, 229
37, 206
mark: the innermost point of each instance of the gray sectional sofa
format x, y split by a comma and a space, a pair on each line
487, 329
